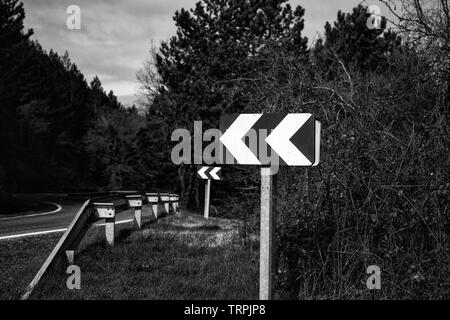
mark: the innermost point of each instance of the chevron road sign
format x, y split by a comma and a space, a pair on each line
270, 139
273, 139
209, 173
266, 140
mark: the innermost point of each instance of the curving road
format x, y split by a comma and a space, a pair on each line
15, 227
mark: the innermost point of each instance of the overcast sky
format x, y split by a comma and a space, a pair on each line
116, 35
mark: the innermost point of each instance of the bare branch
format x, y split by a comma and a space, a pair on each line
346, 72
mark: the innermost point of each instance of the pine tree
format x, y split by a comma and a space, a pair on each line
12, 30
46, 110
13, 38
351, 44
216, 43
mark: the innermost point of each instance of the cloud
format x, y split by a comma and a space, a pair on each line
115, 35
114, 39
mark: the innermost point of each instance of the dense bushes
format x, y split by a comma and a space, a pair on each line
380, 195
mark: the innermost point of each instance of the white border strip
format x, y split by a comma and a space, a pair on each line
117, 222
32, 234
15, 236
58, 209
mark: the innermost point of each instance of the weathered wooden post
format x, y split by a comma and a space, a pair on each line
152, 199
135, 202
267, 229
165, 199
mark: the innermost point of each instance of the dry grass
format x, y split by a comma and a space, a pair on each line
176, 258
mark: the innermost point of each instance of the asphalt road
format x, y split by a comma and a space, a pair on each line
21, 225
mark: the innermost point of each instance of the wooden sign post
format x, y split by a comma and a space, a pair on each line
267, 229
207, 196
208, 174
293, 140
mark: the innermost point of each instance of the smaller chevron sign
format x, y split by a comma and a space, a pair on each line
209, 173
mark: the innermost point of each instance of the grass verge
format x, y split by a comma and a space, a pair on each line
176, 258
20, 259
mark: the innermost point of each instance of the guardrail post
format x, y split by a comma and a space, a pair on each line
174, 202
165, 199
177, 204
155, 210
152, 199
110, 230
70, 254
107, 212
138, 217
135, 202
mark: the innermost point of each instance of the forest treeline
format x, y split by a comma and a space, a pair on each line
57, 131
381, 193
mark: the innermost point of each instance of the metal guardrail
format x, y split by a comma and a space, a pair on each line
103, 206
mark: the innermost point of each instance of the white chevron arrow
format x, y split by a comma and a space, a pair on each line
232, 139
213, 173
317, 143
280, 137
201, 172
